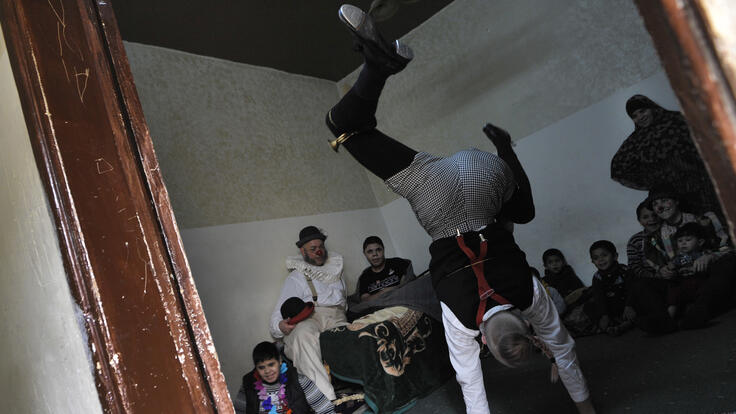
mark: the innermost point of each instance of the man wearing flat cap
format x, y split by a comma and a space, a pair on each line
316, 277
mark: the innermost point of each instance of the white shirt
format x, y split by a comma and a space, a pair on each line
295, 285
464, 350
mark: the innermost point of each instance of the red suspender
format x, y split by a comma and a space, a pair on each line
484, 291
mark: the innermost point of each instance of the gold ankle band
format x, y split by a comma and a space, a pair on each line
335, 143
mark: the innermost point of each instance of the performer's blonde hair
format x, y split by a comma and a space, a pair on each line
511, 341
507, 336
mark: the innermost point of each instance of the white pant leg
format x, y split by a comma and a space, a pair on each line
329, 318
549, 328
464, 357
302, 346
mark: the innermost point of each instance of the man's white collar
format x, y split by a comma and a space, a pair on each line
330, 272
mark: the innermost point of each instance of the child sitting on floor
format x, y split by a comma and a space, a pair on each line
684, 287
559, 275
275, 387
611, 308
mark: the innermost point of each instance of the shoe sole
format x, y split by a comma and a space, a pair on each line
362, 25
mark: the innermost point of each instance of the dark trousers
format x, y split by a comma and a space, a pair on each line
650, 305
716, 293
715, 296
355, 114
684, 291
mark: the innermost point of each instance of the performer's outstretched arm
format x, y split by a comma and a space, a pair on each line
520, 208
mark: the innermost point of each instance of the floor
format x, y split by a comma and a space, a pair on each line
684, 372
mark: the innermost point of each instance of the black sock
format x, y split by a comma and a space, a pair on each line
370, 83
357, 109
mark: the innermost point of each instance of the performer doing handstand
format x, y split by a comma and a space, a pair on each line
479, 273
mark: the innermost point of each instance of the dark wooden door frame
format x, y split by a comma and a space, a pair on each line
121, 247
700, 75
122, 251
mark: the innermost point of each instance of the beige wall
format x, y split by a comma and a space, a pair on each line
240, 143
45, 361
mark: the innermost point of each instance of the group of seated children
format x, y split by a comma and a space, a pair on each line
681, 273
606, 306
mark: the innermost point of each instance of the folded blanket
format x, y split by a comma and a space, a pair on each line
417, 294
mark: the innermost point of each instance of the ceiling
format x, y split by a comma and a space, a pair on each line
304, 37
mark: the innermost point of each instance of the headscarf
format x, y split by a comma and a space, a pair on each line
663, 154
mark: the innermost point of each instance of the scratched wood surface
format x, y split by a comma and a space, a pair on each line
683, 36
148, 338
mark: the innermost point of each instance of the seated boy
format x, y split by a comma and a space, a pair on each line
611, 307
275, 387
383, 274
684, 287
561, 276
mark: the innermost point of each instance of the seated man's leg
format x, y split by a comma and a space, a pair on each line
302, 347
651, 306
328, 317
549, 328
715, 295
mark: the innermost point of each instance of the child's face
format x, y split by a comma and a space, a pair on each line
269, 369
554, 264
603, 259
688, 244
648, 219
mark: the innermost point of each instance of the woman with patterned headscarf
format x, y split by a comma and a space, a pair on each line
660, 152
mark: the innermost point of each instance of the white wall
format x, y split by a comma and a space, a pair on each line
240, 268
45, 361
568, 164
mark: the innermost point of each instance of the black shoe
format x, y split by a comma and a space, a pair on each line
391, 58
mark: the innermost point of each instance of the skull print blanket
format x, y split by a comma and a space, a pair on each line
397, 360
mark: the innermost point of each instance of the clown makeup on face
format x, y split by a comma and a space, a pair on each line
666, 208
314, 252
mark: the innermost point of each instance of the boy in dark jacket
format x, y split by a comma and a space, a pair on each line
275, 387
560, 275
612, 302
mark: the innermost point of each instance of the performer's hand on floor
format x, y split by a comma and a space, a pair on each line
499, 137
